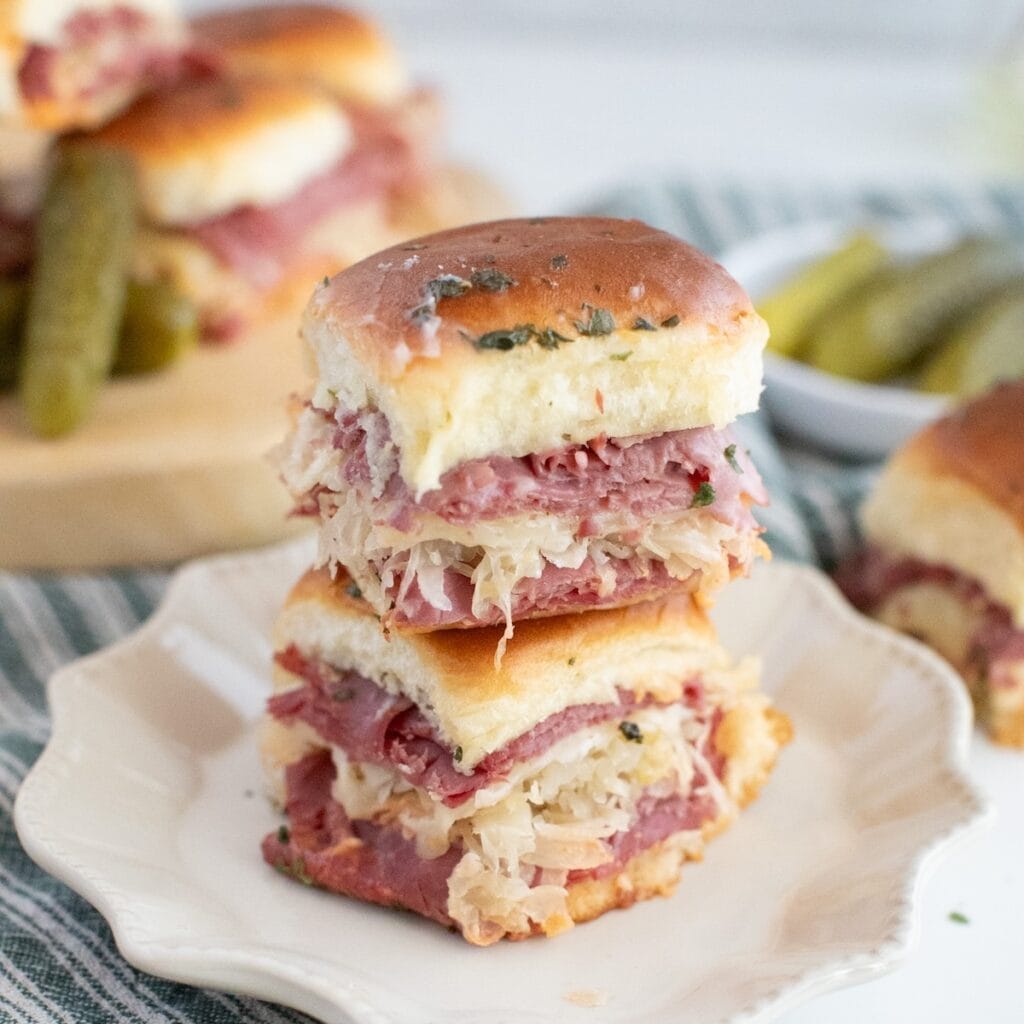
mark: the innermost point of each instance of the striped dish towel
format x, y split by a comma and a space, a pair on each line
58, 962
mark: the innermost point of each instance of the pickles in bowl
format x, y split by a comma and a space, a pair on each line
858, 380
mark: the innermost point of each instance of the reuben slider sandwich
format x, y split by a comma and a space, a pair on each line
575, 778
246, 187
529, 417
73, 63
945, 562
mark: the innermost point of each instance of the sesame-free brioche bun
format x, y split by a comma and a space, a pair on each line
654, 647
337, 49
515, 336
954, 496
208, 146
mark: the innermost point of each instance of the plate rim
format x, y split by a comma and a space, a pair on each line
258, 973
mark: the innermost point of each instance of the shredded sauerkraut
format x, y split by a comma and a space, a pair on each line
496, 555
522, 836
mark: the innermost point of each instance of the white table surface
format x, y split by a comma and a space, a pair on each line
560, 119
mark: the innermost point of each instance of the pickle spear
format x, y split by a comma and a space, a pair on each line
792, 309
78, 286
12, 308
160, 326
988, 346
881, 329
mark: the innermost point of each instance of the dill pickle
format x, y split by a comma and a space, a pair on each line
805, 297
160, 326
12, 308
988, 346
78, 286
882, 328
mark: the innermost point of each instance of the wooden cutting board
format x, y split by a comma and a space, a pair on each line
174, 464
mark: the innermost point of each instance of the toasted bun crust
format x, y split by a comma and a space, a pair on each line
448, 400
954, 496
208, 146
337, 49
550, 664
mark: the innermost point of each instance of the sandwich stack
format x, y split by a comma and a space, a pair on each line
499, 701
944, 559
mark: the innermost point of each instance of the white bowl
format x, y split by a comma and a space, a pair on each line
840, 415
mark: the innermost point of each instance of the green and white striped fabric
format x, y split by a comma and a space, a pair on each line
58, 962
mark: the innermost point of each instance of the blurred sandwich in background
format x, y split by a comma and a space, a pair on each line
278, 146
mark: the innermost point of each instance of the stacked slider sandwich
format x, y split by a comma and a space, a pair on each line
499, 700
945, 554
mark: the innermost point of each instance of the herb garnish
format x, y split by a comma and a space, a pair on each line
571, 661
600, 322
492, 280
283, 835
620, 357
559, 262
457, 754
703, 496
631, 731
423, 314
643, 324
447, 286
730, 457
549, 338
505, 339
325, 282
672, 321
957, 918
353, 591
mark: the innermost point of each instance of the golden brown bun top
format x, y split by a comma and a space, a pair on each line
464, 658
653, 648
560, 273
339, 49
981, 443
204, 114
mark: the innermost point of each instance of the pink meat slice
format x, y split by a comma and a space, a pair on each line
371, 862
379, 864
638, 479
371, 725
874, 575
645, 476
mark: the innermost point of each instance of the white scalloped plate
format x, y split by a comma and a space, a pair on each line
147, 802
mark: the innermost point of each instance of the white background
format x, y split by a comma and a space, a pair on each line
561, 101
